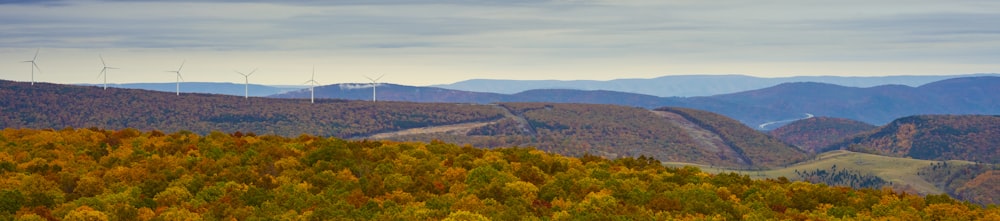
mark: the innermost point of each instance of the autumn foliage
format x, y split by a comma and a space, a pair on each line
94, 174
933, 137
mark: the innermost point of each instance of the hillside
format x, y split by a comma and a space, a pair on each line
933, 137
58, 106
616, 131
818, 132
977, 183
88, 174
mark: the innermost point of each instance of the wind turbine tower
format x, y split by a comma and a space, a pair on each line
179, 78
104, 71
312, 83
34, 66
374, 84
246, 83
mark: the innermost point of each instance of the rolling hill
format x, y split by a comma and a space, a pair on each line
669, 134
933, 137
815, 133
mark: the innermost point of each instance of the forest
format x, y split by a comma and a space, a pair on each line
128, 174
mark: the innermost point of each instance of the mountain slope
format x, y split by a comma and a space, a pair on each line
818, 132
933, 137
681, 135
758, 147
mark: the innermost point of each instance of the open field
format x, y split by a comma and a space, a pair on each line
896, 170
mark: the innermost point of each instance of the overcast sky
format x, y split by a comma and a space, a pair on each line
422, 42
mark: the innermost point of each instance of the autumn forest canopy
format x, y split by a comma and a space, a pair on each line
93, 174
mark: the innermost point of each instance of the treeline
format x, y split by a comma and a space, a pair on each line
843, 177
58, 106
92, 174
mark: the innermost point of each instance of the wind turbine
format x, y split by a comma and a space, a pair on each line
104, 71
374, 84
34, 66
312, 83
179, 78
246, 83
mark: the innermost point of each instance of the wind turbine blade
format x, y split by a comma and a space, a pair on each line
379, 77
251, 72
370, 79
179, 76
36, 66
182, 65
36, 55
102, 60
240, 73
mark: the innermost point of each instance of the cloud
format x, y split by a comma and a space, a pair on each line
520, 38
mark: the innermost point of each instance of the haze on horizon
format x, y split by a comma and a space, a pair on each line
438, 42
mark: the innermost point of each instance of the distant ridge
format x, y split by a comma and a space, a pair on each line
782, 103
689, 85
255, 90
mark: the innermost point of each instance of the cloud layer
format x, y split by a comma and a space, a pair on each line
456, 40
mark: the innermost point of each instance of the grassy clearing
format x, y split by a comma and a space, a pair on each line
893, 169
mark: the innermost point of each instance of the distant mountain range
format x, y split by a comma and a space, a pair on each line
254, 90
873, 105
778, 104
688, 85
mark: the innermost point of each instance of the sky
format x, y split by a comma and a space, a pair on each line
421, 42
